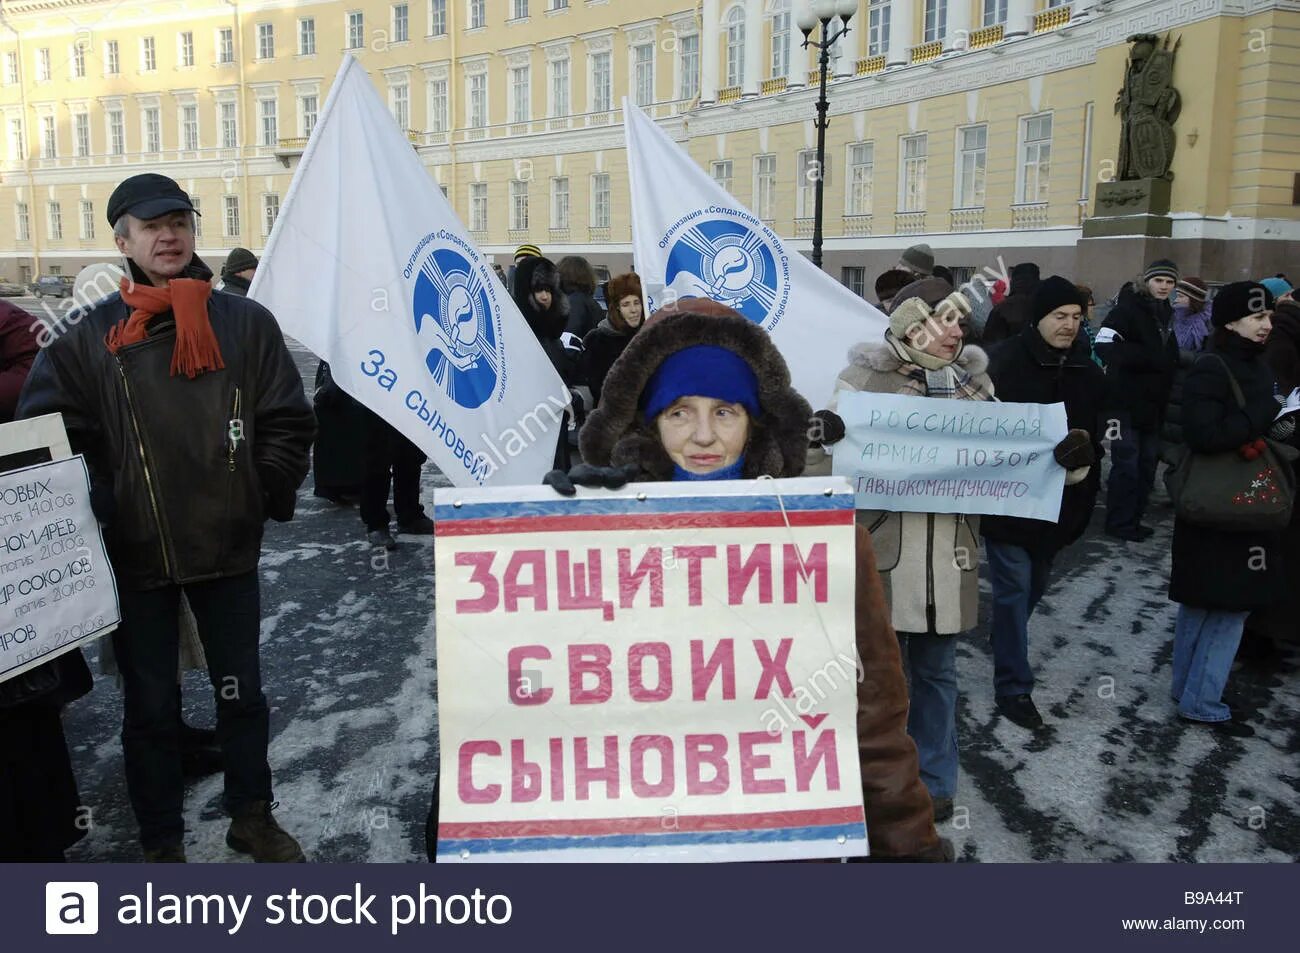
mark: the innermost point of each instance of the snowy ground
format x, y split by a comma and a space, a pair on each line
348, 663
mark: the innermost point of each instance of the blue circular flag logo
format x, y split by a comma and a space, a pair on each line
454, 320
736, 260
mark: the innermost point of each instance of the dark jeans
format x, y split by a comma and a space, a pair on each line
393, 460
1019, 579
1133, 458
228, 613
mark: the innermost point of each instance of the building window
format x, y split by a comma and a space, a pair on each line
54, 218
602, 93
781, 44
266, 41
81, 133
518, 205
401, 22
190, 128
519, 94
11, 68
78, 61
116, 133
17, 144
809, 174
437, 105
356, 30
231, 217
307, 114
995, 12
643, 74
152, 130
1035, 157
972, 155
689, 54
225, 45
42, 65
185, 48
721, 172
148, 55
307, 36
478, 207
111, 65
560, 87
399, 101
914, 159
559, 203
600, 200
49, 147
862, 167
878, 28
270, 211
559, 4
22, 222
269, 122
477, 14
855, 279
765, 187
936, 20
87, 220
518, 9
478, 100
736, 47
437, 17
229, 126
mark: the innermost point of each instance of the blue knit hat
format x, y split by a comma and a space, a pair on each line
704, 370
1277, 287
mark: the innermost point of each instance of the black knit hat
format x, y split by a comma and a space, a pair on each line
1055, 292
1161, 268
1238, 300
239, 259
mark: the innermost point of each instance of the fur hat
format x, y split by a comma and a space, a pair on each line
923, 302
620, 286
617, 435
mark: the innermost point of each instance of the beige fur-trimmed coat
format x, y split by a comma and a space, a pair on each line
929, 562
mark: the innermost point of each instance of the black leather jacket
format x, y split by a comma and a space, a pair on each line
184, 472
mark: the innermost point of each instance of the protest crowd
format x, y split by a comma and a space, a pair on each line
182, 396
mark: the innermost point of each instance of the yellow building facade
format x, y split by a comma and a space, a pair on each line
981, 127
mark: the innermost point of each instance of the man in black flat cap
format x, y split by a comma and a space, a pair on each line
237, 273
192, 418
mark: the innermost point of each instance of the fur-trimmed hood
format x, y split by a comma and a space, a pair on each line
615, 433
532, 274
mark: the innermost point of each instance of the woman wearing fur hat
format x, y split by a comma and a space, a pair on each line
537, 294
929, 561
602, 346
701, 393
1219, 576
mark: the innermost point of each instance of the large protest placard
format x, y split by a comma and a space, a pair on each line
665, 672
57, 589
934, 455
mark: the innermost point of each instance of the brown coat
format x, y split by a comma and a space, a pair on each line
900, 818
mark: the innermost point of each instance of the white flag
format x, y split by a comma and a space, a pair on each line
692, 239
368, 266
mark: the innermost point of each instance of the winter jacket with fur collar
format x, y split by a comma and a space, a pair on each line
929, 562
900, 820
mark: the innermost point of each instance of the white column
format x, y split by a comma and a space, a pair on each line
796, 56
902, 19
709, 41
959, 25
1020, 17
753, 47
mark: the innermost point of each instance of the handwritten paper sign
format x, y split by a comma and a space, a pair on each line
935, 455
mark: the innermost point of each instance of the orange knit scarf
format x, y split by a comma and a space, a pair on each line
196, 347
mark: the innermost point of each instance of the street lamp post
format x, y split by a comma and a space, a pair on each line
811, 13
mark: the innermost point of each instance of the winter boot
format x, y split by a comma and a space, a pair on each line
254, 831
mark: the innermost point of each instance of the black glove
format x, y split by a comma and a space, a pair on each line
825, 428
1075, 450
584, 474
